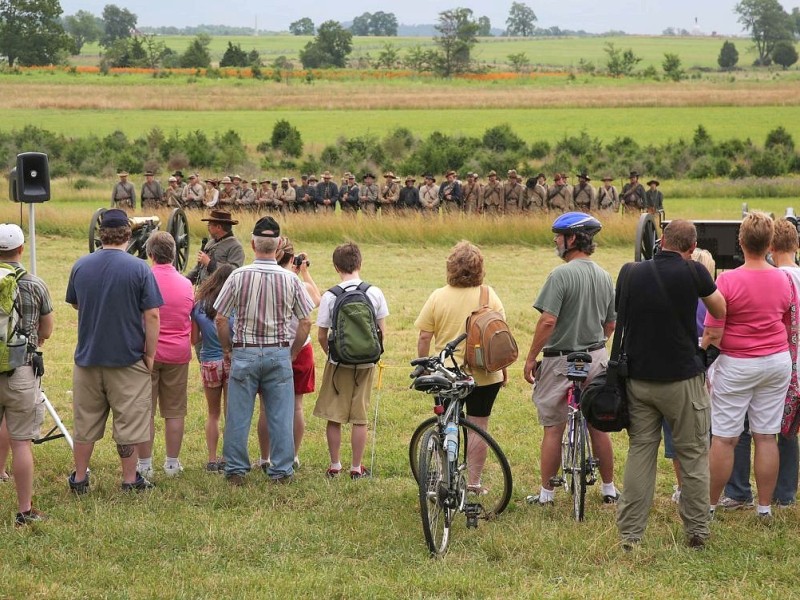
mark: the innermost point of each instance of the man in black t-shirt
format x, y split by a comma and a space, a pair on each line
666, 380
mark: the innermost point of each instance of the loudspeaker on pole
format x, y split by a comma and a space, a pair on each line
30, 179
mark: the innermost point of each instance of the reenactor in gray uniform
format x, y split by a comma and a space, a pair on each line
123, 195
228, 194
450, 194
429, 195
237, 183
368, 195
194, 193
285, 196
179, 176
513, 193
607, 196
350, 199
632, 194
222, 248
535, 198
172, 195
473, 194
653, 198
344, 188
306, 195
559, 197
152, 195
409, 196
247, 196
327, 194
211, 199
584, 195
265, 197
493, 200
390, 192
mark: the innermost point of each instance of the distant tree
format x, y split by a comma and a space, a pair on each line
197, 55
419, 59
484, 27
118, 23
767, 23
457, 36
155, 50
360, 24
519, 62
31, 32
784, 54
329, 48
286, 138
672, 67
116, 55
728, 56
388, 57
620, 62
304, 26
521, 20
83, 28
234, 56
253, 58
383, 24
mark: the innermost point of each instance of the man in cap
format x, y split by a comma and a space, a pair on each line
559, 196
450, 196
179, 176
429, 194
633, 194
20, 392
513, 193
152, 195
228, 194
390, 192
247, 196
369, 194
472, 192
607, 196
535, 198
493, 201
584, 196
123, 195
326, 194
409, 196
222, 248
306, 194
653, 198
262, 298
118, 322
285, 196
193, 193
237, 183
172, 195
352, 194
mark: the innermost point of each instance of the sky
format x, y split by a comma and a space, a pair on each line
594, 16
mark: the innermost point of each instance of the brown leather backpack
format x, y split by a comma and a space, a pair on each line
490, 345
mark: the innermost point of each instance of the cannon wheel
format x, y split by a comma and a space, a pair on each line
178, 228
94, 230
645, 238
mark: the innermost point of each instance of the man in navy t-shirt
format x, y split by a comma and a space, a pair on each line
117, 300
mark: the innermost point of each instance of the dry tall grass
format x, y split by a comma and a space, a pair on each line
251, 95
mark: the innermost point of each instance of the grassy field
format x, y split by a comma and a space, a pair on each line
559, 53
195, 537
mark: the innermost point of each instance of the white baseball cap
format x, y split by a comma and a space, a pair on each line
11, 237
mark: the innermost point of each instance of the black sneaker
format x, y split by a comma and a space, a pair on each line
31, 516
696, 542
609, 499
141, 484
78, 487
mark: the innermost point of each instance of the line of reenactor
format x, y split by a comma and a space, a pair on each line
493, 197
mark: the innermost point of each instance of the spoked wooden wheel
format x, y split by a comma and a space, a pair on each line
94, 230
645, 238
178, 228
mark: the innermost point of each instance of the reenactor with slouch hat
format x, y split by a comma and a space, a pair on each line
327, 193
369, 194
223, 247
285, 195
390, 192
194, 193
265, 197
607, 196
450, 194
123, 195
584, 195
306, 194
429, 194
152, 196
409, 196
535, 198
228, 194
472, 192
633, 194
653, 198
493, 198
559, 197
172, 195
513, 192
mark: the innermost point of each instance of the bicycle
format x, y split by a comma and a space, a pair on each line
578, 465
449, 450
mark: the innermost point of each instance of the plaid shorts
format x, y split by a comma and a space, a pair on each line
215, 373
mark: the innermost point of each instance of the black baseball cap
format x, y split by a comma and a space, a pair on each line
267, 227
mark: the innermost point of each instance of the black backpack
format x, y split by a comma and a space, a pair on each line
354, 337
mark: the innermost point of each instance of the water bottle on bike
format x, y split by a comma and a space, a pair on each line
451, 441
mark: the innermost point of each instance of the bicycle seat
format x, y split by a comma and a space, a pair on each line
579, 356
431, 383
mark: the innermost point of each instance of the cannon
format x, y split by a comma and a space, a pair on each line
141, 228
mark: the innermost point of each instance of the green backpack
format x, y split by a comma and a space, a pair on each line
354, 337
13, 341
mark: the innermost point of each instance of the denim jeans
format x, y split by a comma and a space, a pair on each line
268, 370
738, 486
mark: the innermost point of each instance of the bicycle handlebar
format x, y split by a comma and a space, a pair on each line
451, 346
437, 362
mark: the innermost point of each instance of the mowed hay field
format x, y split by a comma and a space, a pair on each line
195, 537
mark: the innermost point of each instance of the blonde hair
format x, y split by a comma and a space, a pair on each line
756, 231
703, 256
785, 238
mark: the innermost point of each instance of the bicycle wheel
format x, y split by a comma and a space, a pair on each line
486, 470
414, 445
578, 468
433, 488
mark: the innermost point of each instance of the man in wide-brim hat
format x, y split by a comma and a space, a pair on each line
632, 196
123, 195
608, 196
408, 199
223, 247
653, 198
583, 194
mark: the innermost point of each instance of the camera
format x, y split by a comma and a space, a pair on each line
300, 259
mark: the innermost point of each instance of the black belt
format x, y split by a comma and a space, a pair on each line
246, 345
592, 348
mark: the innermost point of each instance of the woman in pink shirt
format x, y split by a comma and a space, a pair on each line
751, 376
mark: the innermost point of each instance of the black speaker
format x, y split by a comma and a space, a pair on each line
30, 179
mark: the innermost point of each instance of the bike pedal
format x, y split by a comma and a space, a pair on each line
472, 522
557, 481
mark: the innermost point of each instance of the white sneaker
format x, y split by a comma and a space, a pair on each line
173, 471
296, 462
147, 473
676, 495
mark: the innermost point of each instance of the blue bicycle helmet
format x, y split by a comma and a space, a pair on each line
574, 222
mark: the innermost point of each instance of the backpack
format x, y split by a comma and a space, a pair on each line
354, 337
604, 402
13, 342
490, 345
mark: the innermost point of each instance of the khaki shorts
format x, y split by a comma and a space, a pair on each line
123, 391
170, 389
350, 404
20, 400
550, 389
